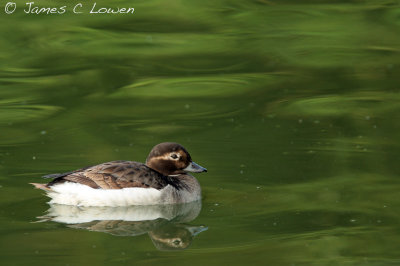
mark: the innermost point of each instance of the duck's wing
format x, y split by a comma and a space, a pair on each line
115, 175
66, 173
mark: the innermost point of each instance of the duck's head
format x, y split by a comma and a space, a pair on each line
170, 158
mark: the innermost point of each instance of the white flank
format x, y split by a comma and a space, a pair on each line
81, 195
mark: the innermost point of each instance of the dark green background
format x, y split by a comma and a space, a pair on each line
293, 106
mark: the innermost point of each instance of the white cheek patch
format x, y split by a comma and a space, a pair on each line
167, 156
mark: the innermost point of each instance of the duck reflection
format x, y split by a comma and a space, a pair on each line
165, 224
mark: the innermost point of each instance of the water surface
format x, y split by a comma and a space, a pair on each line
292, 106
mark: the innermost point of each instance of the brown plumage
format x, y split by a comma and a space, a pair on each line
115, 175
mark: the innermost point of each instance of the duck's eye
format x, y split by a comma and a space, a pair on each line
174, 156
176, 242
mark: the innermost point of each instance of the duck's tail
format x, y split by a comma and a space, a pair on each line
41, 186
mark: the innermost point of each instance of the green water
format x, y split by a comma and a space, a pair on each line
292, 106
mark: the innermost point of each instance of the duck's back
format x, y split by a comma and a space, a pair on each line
113, 175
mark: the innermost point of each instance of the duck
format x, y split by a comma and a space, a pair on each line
163, 179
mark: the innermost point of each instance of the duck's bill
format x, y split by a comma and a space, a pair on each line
195, 230
195, 168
